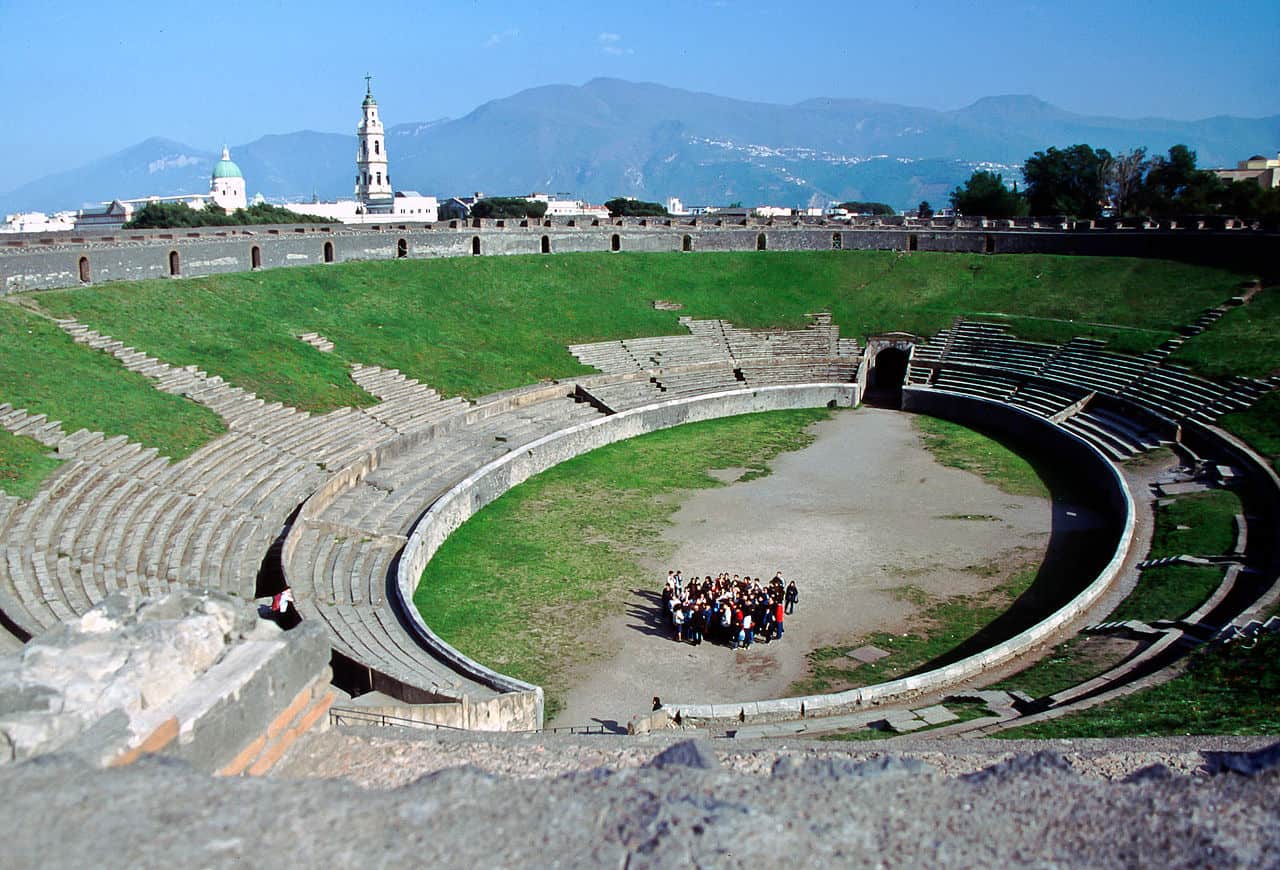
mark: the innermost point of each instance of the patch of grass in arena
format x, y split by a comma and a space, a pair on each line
525, 584
1197, 524
24, 464
1228, 689
1244, 342
44, 371
940, 627
1259, 427
957, 446
1069, 664
1169, 592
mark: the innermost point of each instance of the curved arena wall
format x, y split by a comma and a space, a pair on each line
43, 261
993, 415
490, 481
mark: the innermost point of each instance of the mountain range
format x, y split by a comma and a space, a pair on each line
616, 138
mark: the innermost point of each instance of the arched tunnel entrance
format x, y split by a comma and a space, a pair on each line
884, 381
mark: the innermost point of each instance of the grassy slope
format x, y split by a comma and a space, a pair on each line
1226, 690
43, 370
522, 584
957, 446
471, 326
24, 462
1198, 524
1259, 427
1244, 342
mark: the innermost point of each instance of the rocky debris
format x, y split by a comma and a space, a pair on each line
109, 670
815, 807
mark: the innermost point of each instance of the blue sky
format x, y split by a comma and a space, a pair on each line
84, 79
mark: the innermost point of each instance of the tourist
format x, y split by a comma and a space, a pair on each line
793, 595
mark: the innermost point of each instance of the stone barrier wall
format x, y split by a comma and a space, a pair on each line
43, 261
1093, 466
461, 502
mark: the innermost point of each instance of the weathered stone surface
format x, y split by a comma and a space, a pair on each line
100, 676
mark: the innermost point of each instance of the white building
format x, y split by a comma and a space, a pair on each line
415, 206
38, 222
771, 211
675, 206
226, 184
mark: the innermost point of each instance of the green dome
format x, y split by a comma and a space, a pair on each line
224, 168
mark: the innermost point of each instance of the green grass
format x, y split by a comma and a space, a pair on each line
1197, 524
44, 371
957, 446
24, 464
1244, 342
940, 627
1068, 664
1169, 592
1225, 690
1259, 427
474, 325
524, 584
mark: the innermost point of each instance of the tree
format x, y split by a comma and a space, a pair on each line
924, 211
1174, 186
622, 206
873, 208
1070, 181
508, 207
1124, 175
164, 215
985, 194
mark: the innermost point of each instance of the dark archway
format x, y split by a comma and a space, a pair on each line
990, 246
84, 270
475, 246
615, 242
328, 252
255, 257
687, 244
884, 386
761, 244
913, 242
175, 264
402, 249
837, 241
546, 244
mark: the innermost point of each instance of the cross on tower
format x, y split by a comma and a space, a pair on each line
368, 84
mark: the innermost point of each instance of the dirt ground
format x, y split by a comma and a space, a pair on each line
861, 512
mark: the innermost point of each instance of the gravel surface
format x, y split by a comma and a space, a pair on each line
509, 800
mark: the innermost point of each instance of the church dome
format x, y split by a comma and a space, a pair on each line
225, 168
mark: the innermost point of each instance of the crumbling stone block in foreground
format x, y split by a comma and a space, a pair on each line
191, 675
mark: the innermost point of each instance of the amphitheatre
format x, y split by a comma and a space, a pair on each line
182, 412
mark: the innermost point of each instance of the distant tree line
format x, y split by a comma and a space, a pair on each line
508, 208
875, 208
1081, 182
621, 206
166, 215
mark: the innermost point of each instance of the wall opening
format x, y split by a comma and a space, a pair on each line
837, 241
546, 244
255, 257
84, 270
990, 245
687, 244
884, 387
175, 264
328, 252
761, 244
402, 249
615, 242
475, 246
913, 242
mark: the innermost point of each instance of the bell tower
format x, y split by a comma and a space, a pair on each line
373, 180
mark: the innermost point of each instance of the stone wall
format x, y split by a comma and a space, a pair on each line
43, 261
191, 675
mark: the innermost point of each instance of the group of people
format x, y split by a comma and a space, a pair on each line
729, 609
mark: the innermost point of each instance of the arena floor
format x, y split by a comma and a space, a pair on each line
863, 511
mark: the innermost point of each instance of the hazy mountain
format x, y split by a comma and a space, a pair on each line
611, 137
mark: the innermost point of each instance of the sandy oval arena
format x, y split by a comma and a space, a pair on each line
854, 518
